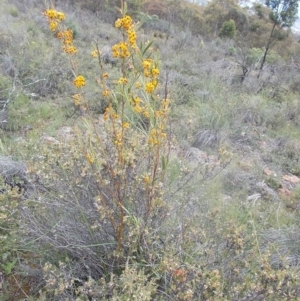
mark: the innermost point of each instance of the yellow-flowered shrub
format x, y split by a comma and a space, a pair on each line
128, 156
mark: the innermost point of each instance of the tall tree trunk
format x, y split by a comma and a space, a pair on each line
270, 40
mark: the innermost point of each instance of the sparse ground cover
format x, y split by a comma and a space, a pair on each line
223, 223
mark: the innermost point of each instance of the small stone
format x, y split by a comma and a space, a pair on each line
196, 154
269, 172
292, 179
50, 140
284, 192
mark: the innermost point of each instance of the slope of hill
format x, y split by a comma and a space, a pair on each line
165, 169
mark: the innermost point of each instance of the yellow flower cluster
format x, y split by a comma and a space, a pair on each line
147, 64
70, 49
156, 135
146, 113
131, 37
120, 50
164, 109
54, 14
136, 102
150, 86
151, 71
125, 22
155, 72
123, 81
105, 93
106, 114
109, 112
102, 82
146, 179
66, 36
53, 25
79, 81
152, 139
77, 99
94, 53
54, 18
125, 125
118, 139
90, 158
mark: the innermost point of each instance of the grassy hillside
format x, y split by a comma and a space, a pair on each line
163, 168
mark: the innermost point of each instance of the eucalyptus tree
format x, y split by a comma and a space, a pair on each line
283, 15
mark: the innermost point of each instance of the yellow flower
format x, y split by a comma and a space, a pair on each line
163, 135
146, 179
79, 81
115, 52
126, 22
118, 139
152, 141
120, 50
158, 113
53, 14
77, 99
90, 158
50, 13
138, 85
66, 36
137, 108
115, 116
136, 100
53, 25
94, 53
136, 105
60, 35
155, 72
153, 132
147, 63
147, 73
146, 114
131, 37
70, 49
105, 115
105, 75
105, 93
125, 125
118, 23
60, 16
123, 81
150, 87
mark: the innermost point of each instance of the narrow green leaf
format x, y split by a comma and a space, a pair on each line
147, 47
